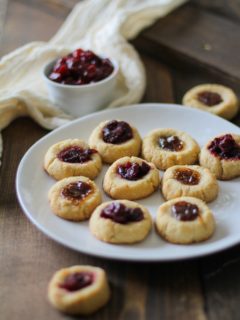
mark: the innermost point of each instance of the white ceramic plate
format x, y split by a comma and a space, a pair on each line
33, 185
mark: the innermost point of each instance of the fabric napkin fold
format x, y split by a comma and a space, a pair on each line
103, 26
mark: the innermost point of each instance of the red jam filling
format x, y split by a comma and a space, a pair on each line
133, 170
209, 98
119, 213
187, 176
171, 143
185, 211
117, 132
225, 147
77, 281
75, 154
80, 67
76, 190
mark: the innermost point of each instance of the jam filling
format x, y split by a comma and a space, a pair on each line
75, 154
171, 143
225, 147
119, 213
133, 170
77, 281
117, 132
185, 211
209, 98
76, 190
80, 67
187, 176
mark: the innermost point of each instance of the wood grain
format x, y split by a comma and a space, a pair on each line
192, 36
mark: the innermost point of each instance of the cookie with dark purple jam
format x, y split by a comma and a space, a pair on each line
120, 221
214, 98
185, 220
72, 157
221, 156
79, 290
131, 178
115, 139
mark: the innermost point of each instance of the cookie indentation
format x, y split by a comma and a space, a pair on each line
225, 147
133, 170
209, 98
77, 281
171, 143
119, 213
117, 132
185, 211
187, 176
74, 154
76, 190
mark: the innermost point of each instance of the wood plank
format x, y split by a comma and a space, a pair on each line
194, 37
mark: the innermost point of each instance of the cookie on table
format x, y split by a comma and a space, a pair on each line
74, 198
120, 221
185, 220
79, 290
72, 157
169, 147
114, 139
221, 156
214, 98
131, 178
192, 181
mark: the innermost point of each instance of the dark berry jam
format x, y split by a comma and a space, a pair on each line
119, 213
225, 147
80, 67
117, 132
185, 211
75, 154
171, 143
133, 170
209, 98
76, 190
77, 281
187, 176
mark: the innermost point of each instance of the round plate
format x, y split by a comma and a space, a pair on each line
33, 185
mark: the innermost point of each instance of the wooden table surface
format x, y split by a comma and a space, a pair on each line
204, 288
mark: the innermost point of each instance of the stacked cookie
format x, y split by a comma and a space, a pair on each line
134, 174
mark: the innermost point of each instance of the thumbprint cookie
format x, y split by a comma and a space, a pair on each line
221, 156
169, 147
72, 157
214, 98
192, 181
120, 221
74, 198
185, 220
131, 178
79, 290
115, 139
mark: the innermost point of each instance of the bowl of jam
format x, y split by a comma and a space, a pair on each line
81, 82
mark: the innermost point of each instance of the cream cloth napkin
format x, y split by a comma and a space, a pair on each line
103, 26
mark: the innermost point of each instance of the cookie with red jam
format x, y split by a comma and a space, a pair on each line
185, 220
79, 290
168, 147
131, 178
120, 221
74, 198
213, 98
221, 156
114, 139
72, 157
192, 181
